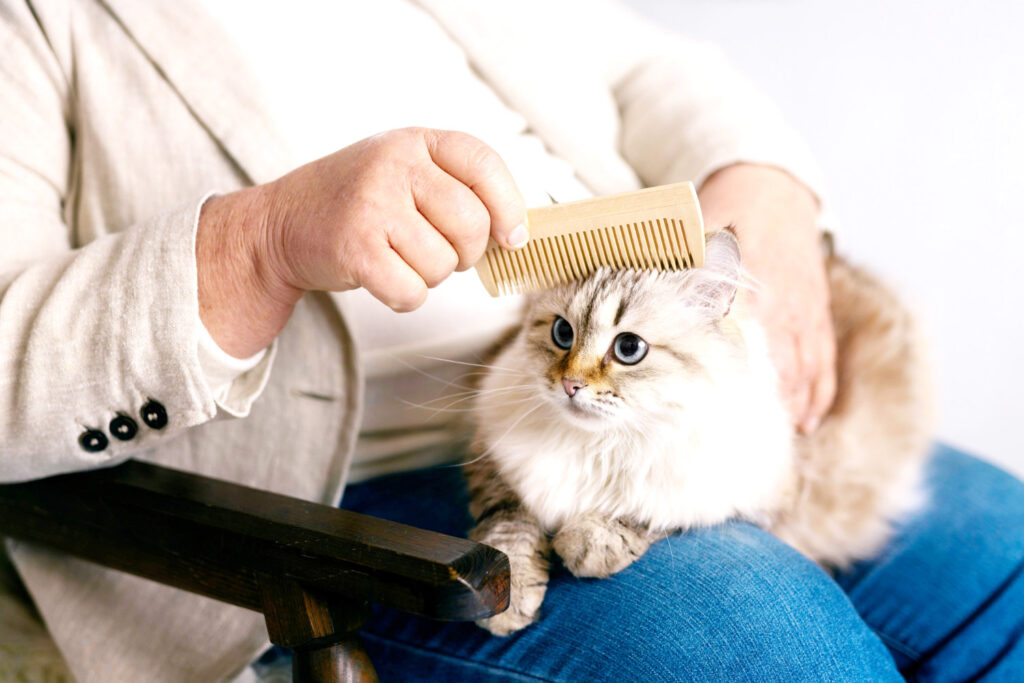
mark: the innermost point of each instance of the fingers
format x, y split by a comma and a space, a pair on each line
424, 249
822, 382
809, 376
454, 214
802, 388
395, 213
479, 168
392, 281
805, 358
791, 367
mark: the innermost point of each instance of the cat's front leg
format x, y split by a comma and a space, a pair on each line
594, 546
503, 523
521, 538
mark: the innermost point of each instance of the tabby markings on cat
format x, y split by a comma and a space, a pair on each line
632, 405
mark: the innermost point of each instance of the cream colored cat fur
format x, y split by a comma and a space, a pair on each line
596, 458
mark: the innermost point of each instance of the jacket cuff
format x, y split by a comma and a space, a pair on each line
100, 352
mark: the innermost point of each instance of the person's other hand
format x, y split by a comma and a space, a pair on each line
395, 213
774, 217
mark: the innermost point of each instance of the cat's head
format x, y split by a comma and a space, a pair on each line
623, 347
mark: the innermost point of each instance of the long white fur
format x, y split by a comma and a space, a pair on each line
689, 446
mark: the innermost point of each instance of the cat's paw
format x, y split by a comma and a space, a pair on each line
523, 610
517, 534
593, 547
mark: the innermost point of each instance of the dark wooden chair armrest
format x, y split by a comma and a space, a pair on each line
312, 570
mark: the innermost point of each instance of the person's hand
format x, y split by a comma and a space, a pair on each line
395, 213
774, 217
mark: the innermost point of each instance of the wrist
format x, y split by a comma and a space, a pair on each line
244, 299
753, 197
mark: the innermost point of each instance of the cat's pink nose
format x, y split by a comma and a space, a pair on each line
572, 385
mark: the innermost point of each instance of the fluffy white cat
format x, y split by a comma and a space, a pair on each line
636, 404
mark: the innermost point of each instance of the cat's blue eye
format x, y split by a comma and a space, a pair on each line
629, 349
561, 333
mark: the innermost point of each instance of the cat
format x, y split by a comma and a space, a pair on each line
632, 405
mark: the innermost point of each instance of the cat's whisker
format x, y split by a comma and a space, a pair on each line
465, 396
479, 392
462, 397
671, 550
446, 409
510, 387
446, 397
509, 390
444, 382
501, 438
747, 280
485, 366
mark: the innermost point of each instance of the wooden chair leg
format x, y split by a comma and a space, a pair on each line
321, 634
345, 661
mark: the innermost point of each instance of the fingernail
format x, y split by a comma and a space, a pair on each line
519, 237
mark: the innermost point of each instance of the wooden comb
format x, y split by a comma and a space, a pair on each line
659, 228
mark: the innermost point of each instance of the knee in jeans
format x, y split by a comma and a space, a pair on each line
732, 603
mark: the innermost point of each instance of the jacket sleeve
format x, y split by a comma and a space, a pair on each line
98, 342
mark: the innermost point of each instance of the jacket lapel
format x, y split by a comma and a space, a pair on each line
193, 54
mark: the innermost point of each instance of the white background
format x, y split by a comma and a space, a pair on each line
916, 112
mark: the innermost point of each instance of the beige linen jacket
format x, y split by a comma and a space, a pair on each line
117, 118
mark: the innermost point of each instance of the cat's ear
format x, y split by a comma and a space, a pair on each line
713, 286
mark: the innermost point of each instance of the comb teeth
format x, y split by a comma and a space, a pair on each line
657, 244
657, 228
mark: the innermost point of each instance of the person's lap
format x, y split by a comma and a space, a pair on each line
947, 594
944, 600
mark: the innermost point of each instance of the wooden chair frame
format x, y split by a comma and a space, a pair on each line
312, 570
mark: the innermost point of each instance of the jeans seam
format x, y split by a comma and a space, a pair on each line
971, 618
897, 644
448, 656
1011, 642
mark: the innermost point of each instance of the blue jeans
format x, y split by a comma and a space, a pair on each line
943, 602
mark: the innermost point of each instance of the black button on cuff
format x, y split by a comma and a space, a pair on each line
93, 441
154, 414
123, 427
